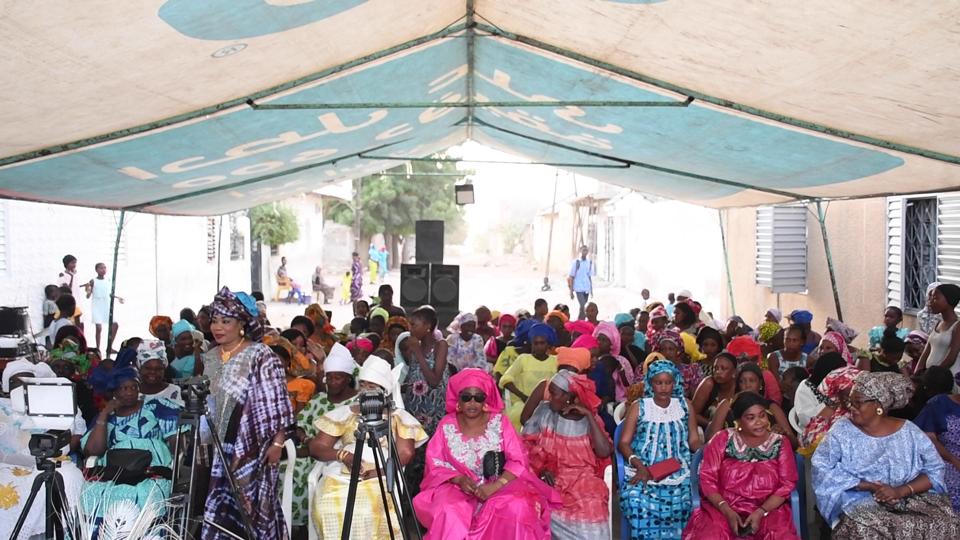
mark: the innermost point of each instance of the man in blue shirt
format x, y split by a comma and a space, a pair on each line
580, 280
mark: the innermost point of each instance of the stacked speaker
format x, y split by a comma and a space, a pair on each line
429, 281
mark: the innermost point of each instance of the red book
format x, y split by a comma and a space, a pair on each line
663, 469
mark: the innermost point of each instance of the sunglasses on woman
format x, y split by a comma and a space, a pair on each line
479, 398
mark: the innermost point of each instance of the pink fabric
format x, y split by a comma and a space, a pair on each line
745, 486
771, 387
476, 378
841, 344
585, 328
490, 349
659, 312
585, 341
504, 319
610, 330
361, 343
520, 510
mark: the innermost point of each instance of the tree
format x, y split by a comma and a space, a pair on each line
393, 203
273, 224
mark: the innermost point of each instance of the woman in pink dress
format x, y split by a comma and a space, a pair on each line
459, 499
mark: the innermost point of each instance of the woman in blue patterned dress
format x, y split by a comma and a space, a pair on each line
425, 386
658, 427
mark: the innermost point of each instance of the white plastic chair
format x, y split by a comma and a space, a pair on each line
608, 480
313, 480
287, 492
620, 412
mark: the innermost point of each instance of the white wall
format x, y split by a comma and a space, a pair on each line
162, 267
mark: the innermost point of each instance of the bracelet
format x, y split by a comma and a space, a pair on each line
278, 445
630, 459
764, 510
502, 481
101, 422
720, 503
912, 492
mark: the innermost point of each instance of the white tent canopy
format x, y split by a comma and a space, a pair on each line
186, 107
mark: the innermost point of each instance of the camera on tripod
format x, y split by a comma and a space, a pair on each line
194, 392
49, 444
373, 403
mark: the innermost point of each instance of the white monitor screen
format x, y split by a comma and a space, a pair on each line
49, 397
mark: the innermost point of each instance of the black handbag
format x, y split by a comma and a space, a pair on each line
493, 463
129, 459
128, 466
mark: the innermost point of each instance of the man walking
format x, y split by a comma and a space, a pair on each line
580, 280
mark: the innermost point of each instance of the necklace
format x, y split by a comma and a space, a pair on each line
226, 355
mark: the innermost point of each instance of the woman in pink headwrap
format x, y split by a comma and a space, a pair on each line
498, 343
477, 481
658, 321
569, 449
608, 337
835, 342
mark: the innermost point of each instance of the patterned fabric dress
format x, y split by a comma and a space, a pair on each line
847, 455
318, 406
659, 509
356, 283
467, 354
941, 416
250, 406
147, 429
426, 404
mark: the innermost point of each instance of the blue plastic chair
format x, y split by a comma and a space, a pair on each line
624, 524
797, 496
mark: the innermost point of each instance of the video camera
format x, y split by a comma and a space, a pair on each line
373, 403
194, 391
49, 444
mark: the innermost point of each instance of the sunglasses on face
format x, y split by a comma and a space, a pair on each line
479, 398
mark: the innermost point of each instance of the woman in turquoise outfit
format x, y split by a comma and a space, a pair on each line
657, 427
127, 422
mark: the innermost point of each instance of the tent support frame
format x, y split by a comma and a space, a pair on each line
822, 218
726, 261
113, 281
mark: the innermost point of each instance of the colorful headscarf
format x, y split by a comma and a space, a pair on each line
398, 321
744, 346
473, 378
801, 316
580, 386
522, 334
69, 351
663, 366
841, 344
151, 350
362, 343
892, 390
157, 321
583, 327
180, 327
609, 330
833, 385
117, 377
558, 314
541, 329
623, 319
578, 358
240, 306
665, 336
379, 312
506, 318
838, 381
849, 334
767, 330
585, 341
659, 312
918, 337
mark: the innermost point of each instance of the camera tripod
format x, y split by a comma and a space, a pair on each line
194, 410
51, 482
370, 432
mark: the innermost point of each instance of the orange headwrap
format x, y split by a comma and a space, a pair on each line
578, 358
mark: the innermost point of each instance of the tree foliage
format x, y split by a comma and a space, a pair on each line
274, 224
393, 204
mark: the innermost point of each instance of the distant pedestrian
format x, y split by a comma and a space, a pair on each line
373, 262
383, 263
356, 285
320, 287
580, 280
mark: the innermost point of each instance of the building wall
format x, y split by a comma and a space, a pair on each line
163, 264
857, 234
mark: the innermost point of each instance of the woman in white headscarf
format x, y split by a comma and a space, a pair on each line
335, 443
152, 366
18, 468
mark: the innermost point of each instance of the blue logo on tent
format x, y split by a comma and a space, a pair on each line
239, 19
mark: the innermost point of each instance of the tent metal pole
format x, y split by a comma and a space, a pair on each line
113, 281
822, 218
496, 161
471, 32
726, 262
470, 104
219, 249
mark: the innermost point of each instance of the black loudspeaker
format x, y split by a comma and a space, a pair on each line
445, 292
414, 286
429, 242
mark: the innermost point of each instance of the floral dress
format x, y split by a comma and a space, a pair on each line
318, 406
427, 404
466, 354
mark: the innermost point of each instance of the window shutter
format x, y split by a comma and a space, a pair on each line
781, 256
948, 238
895, 251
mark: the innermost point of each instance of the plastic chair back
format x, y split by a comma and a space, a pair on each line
624, 524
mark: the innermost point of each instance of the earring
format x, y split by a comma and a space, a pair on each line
736, 426
242, 333
879, 411
458, 407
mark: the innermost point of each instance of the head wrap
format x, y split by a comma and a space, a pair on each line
522, 314
892, 390
841, 344
180, 327
38, 371
558, 314
397, 355
663, 366
583, 327
315, 313
361, 343
377, 371
522, 334
151, 350
339, 360
838, 326
585, 341
506, 318
918, 337
69, 351
801, 316
658, 313
651, 358
776, 313
117, 377
578, 358
379, 312
695, 307
685, 293
461, 319
623, 319
579, 385
838, 381
542, 330
240, 306
744, 345
609, 330
157, 321
473, 378
667, 335
398, 321
767, 331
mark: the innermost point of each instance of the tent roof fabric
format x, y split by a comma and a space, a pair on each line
200, 108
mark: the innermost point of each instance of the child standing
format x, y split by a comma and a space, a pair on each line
345, 288
98, 290
51, 293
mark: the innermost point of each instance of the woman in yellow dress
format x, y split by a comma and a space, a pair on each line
528, 370
334, 444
